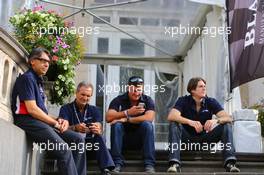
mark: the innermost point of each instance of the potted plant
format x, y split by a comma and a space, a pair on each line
40, 28
260, 107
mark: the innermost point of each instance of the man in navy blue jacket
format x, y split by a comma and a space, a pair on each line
87, 120
31, 115
191, 124
131, 115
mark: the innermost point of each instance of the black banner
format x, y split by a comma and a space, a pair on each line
246, 41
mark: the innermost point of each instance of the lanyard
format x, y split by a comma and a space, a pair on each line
76, 114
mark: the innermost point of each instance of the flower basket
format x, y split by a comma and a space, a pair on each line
39, 28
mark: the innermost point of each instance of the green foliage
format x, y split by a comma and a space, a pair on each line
260, 108
261, 120
40, 28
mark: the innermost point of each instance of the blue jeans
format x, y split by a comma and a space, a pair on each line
178, 135
103, 156
70, 162
142, 132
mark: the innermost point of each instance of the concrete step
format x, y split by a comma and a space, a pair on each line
165, 173
197, 155
188, 166
193, 163
134, 166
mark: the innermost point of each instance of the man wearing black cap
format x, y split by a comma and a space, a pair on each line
131, 116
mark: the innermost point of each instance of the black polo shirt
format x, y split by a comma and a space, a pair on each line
122, 102
28, 86
186, 105
91, 114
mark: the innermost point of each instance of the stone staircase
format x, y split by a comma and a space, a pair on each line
194, 163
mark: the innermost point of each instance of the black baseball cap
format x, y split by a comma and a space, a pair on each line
135, 80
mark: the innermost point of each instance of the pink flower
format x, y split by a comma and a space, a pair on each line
51, 11
64, 46
55, 58
59, 40
55, 49
37, 8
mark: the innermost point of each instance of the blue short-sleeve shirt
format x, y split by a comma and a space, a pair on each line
28, 86
71, 113
121, 103
186, 105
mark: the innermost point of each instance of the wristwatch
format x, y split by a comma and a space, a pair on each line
218, 121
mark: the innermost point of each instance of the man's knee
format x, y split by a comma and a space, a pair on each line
118, 126
175, 127
65, 154
147, 126
78, 138
227, 127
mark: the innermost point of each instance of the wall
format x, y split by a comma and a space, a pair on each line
15, 151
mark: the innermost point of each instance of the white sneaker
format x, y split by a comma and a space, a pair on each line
174, 168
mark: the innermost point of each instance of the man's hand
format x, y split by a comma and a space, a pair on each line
135, 110
122, 120
81, 128
209, 124
197, 125
64, 125
96, 128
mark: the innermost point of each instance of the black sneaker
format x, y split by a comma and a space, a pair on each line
174, 168
231, 167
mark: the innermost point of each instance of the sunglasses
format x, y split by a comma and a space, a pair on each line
137, 80
42, 60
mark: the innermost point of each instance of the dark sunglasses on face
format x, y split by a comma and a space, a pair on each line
136, 80
42, 60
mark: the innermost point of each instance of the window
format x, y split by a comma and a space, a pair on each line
168, 91
170, 46
102, 45
170, 22
128, 21
98, 21
104, 1
149, 22
131, 47
100, 83
5, 78
14, 76
172, 4
122, 0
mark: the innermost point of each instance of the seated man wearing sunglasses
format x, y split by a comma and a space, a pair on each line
31, 114
131, 116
